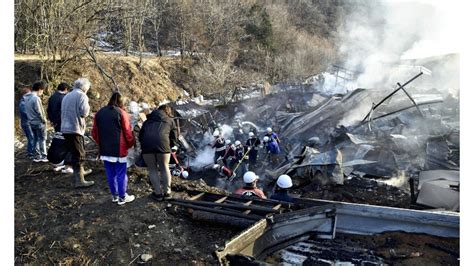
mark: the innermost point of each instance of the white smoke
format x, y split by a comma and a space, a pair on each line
397, 181
226, 131
204, 158
378, 34
205, 155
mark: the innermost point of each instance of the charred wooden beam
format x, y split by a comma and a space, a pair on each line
390, 95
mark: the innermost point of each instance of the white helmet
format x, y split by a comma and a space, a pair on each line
228, 141
284, 181
266, 139
174, 148
237, 143
250, 176
185, 174
133, 106
215, 166
251, 135
216, 133
269, 129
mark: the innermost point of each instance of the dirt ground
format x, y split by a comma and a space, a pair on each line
56, 224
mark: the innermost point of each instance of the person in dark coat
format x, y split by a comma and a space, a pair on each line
253, 143
54, 115
113, 133
54, 105
281, 189
157, 135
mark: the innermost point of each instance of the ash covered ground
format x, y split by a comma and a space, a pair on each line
57, 224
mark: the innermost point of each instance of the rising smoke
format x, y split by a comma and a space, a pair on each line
377, 35
387, 42
205, 155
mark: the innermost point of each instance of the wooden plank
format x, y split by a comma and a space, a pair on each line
221, 199
198, 196
248, 204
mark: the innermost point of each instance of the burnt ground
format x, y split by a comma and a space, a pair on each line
360, 190
56, 224
392, 248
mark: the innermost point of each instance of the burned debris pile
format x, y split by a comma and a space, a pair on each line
380, 138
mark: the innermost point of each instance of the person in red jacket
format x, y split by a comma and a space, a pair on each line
113, 133
250, 188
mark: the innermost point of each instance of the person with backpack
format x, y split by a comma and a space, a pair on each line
54, 116
112, 131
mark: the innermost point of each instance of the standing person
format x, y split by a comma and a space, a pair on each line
54, 105
219, 145
228, 148
74, 110
113, 133
273, 149
157, 135
252, 143
25, 125
281, 189
54, 114
272, 135
239, 160
37, 120
250, 188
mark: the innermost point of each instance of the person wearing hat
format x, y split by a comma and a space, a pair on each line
272, 148
281, 189
252, 143
219, 145
228, 151
250, 188
272, 135
175, 167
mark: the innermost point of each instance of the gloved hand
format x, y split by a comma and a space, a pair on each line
246, 157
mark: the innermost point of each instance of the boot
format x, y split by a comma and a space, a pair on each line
79, 181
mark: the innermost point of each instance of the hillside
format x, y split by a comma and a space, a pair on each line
154, 82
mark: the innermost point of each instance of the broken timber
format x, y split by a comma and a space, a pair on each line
323, 219
230, 209
400, 87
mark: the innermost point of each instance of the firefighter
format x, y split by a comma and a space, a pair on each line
219, 145
272, 149
240, 158
252, 143
280, 191
223, 171
228, 145
272, 135
175, 167
250, 188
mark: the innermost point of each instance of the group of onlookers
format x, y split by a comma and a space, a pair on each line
67, 112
